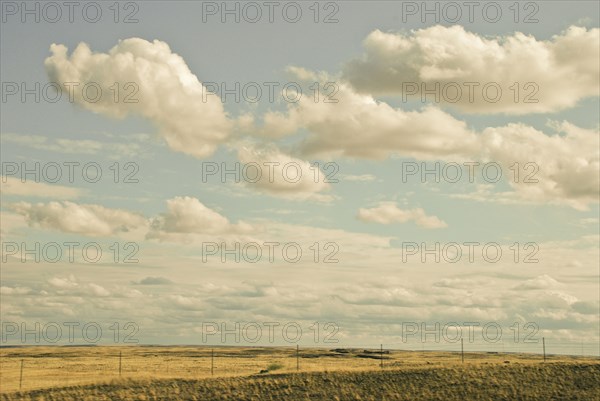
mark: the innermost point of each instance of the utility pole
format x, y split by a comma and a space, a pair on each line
21, 377
544, 347
462, 351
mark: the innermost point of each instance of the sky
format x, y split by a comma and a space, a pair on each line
344, 173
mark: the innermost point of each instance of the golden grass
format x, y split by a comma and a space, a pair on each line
184, 373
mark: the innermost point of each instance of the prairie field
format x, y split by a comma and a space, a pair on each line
279, 373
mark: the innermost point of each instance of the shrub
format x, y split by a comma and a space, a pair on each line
274, 366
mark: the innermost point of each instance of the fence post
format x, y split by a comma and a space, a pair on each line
544, 347
462, 351
21, 376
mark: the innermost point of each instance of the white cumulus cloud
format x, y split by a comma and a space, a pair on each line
161, 87
563, 70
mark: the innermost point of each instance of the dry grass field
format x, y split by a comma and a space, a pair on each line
257, 373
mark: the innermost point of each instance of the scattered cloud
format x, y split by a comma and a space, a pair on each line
154, 281
543, 282
186, 216
72, 286
279, 174
389, 213
85, 219
16, 187
548, 164
79, 146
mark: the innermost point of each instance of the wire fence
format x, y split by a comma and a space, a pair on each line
28, 368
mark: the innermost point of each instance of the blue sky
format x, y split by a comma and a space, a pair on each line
171, 134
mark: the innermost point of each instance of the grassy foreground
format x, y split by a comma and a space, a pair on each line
183, 373
553, 381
